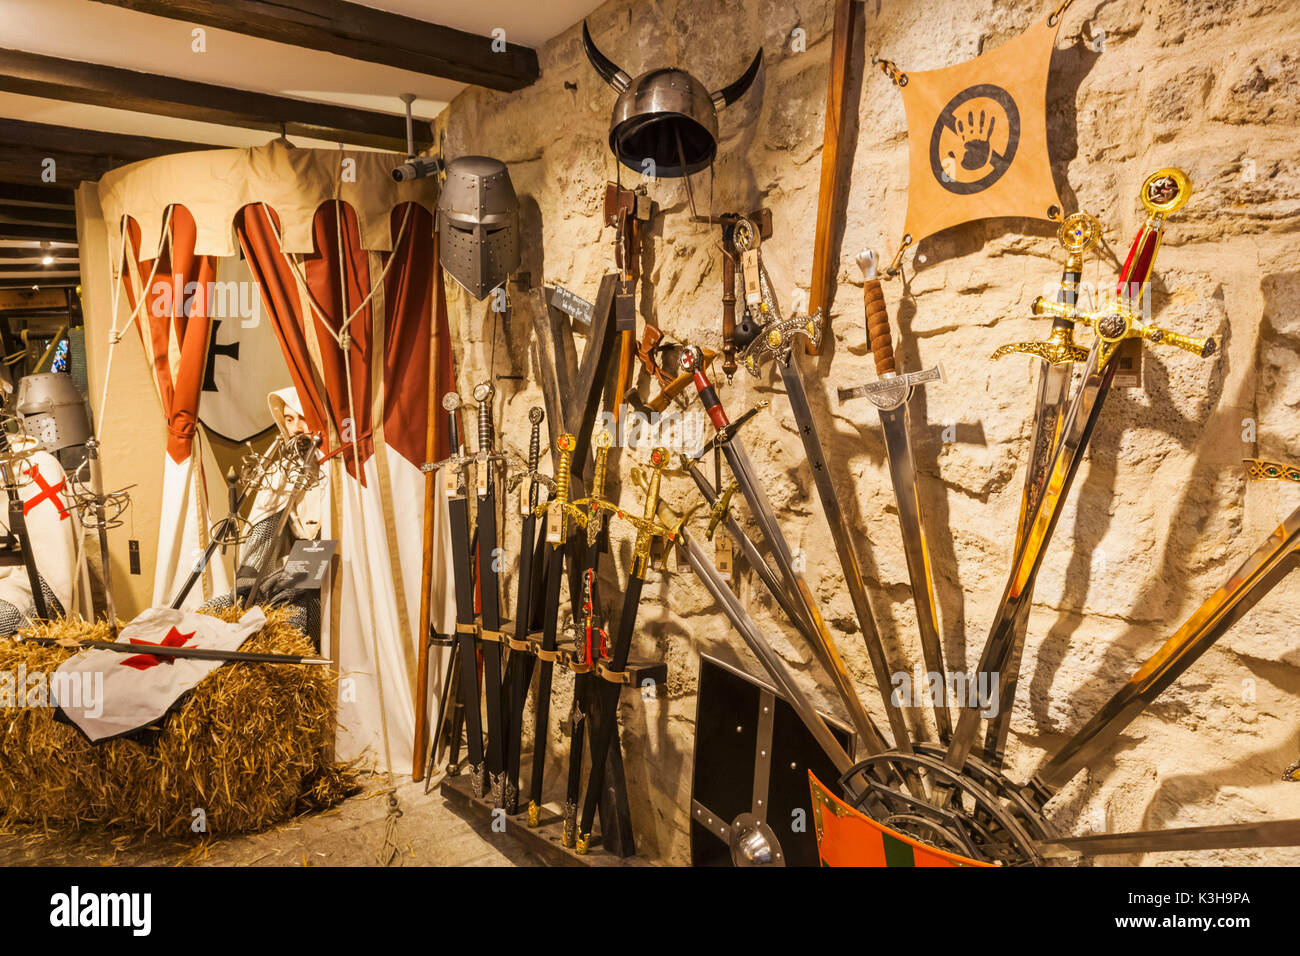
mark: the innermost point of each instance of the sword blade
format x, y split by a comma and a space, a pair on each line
824, 645
902, 473
848, 555
1268, 565
1218, 837
1080, 421
1049, 419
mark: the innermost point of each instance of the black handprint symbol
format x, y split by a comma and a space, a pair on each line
976, 140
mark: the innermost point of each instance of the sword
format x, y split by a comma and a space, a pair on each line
892, 404
490, 636
1077, 234
194, 653
97, 488
1162, 193
463, 571
823, 645
648, 528
582, 681
519, 668
1260, 573
559, 510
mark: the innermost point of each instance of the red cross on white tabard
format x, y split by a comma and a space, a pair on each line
142, 662
48, 492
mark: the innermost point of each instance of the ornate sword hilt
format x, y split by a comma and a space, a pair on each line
560, 509
487, 455
647, 524
1263, 469
890, 389
595, 501
457, 462
1077, 234
1112, 326
532, 477
777, 338
718, 513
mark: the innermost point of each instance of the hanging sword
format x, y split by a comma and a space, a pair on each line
1077, 234
463, 571
823, 645
892, 403
1162, 193
1260, 573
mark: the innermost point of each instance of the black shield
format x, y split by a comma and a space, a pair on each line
752, 757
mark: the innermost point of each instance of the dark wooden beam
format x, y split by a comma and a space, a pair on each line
38, 214
28, 283
61, 256
53, 78
37, 194
78, 154
361, 33
9, 230
59, 270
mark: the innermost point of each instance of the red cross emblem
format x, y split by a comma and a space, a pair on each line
48, 491
142, 662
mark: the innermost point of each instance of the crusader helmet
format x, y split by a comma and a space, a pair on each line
478, 224
666, 116
52, 410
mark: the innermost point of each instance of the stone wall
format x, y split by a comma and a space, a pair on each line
1160, 513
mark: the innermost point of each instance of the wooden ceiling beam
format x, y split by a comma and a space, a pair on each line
37, 214
26, 149
53, 78
37, 194
360, 33
9, 230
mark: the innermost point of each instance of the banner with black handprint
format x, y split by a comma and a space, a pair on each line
977, 137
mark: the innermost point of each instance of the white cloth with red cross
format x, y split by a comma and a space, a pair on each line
52, 531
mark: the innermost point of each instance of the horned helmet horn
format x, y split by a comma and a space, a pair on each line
733, 91
609, 71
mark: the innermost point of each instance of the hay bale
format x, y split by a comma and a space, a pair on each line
248, 746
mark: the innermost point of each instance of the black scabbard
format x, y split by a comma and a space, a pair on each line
545, 671
608, 693
458, 512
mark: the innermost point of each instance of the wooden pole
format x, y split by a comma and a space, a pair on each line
431, 437
833, 172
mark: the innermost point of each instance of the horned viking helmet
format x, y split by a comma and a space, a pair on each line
666, 116
478, 223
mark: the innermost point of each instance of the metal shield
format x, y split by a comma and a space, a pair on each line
750, 803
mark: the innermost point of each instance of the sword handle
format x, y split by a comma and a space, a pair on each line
557, 517
692, 360
483, 394
878, 334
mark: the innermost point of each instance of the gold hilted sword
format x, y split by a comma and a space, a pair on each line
892, 393
1162, 193
1260, 573
1057, 355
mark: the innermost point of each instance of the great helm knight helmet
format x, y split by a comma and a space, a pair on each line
478, 223
666, 116
52, 410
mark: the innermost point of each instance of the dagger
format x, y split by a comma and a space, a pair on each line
1162, 193
892, 404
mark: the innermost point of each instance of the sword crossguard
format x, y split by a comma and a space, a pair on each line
1116, 324
776, 340
722, 434
893, 390
559, 508
1263, 469
718, 513
1058, 349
